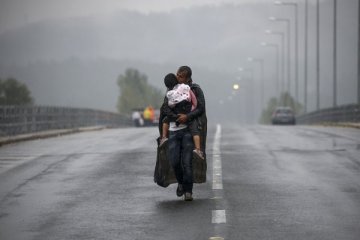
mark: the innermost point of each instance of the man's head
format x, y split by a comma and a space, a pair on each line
184, 74
170, 81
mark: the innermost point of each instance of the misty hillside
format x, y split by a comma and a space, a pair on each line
193, 36
76, 61
93, 83
73, 62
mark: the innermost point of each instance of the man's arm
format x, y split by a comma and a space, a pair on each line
200, 108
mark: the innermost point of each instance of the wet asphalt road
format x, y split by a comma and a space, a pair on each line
273, 182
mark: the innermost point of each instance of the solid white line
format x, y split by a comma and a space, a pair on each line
217, 172
218, 216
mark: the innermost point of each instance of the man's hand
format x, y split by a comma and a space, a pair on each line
182, 118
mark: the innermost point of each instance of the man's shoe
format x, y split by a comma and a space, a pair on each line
180, 190
188, 196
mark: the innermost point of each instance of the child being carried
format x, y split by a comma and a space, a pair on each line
182, 101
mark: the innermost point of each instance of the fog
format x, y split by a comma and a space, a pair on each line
74, 58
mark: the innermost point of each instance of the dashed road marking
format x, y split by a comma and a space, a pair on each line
216, 238
218, 216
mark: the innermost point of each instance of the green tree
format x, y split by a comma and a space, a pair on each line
135, 92
13, 92
285, 100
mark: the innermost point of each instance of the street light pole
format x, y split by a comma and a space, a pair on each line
306, 56
296, 54
288, 50
252, 102
317, 55
261, 61
282, 83
276, 46
295, 5
335, 58
358, 69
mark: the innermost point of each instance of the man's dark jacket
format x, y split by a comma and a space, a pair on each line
198, 114
164, 174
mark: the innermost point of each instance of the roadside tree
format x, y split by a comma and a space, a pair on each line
136, 93
13, 92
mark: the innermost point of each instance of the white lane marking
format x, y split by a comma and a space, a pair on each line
217, 172
216, 198
218, 216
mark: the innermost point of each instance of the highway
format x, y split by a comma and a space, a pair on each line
264, 182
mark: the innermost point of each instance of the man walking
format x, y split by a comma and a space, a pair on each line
181, 145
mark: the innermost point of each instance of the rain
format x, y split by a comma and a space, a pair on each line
71, 53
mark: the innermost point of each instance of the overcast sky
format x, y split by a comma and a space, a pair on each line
15, 13
95, 32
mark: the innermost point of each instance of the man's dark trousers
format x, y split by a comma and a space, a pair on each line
180, 150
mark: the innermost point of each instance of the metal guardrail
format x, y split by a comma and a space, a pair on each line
28, 119
345, 113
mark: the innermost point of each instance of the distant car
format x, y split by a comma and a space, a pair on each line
283, 115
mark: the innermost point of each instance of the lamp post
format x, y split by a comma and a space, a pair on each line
276, 46
251, 98
335, 58
358, 69
317, 55
306, 56
287, 21
295, 5
239, 110
249, 70
282, 85
261, 61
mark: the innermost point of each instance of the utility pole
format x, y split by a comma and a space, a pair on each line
265, 44
306, 56
317, 55
358, 68
282, 64
296, 54
262, 80
335, 59
288, 85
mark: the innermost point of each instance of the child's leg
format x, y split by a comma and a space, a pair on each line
165, 130
197, 141
196, 138
197, 149
164, 134
194, 130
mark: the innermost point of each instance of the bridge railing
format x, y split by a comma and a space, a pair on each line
345, 113
27, 119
